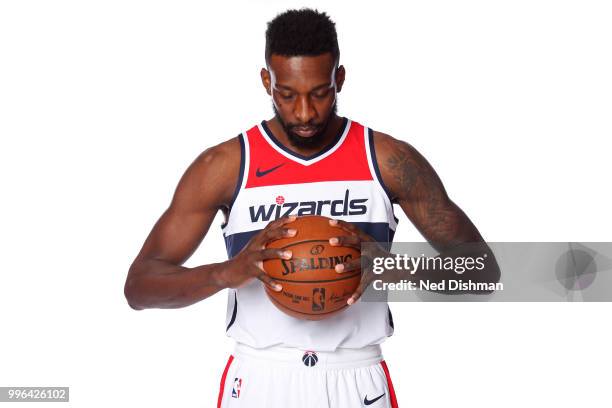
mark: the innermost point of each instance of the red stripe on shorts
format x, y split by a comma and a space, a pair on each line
390, 385
222, 386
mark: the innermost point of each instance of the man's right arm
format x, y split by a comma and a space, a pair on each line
157, 279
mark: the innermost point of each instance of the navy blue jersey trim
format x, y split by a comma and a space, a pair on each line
241, 172
240, 176
299, 156
375, 163
233, 319
380, 231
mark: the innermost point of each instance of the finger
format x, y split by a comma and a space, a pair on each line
273, 253
278, 233
351, 241
268, 281
350, 266
281, 221
260, 239
366, 280
347, 226
355, 296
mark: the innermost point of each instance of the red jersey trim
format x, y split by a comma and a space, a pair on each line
348, 161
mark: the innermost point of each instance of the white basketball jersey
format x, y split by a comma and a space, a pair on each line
343, 182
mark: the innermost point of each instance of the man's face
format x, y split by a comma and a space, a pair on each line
303, 91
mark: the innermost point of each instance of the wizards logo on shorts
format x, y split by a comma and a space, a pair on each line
310, 358
236, 387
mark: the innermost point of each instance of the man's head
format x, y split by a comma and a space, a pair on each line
303, 76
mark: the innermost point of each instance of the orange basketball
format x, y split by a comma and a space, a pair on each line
312, 289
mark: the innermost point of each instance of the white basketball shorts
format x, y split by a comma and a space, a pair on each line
283, 377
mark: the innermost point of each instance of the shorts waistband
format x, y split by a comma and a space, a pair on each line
289, 356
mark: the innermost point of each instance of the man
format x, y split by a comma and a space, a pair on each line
300, 161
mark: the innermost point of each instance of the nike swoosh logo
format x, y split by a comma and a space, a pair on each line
261, 173
366, 401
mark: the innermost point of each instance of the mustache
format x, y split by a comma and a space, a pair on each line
306, 126
299, 141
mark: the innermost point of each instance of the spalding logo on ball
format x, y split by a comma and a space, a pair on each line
312, 289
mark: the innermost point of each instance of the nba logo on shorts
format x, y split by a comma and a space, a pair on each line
236, 388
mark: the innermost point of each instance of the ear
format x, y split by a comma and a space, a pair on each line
340, 75
266, 81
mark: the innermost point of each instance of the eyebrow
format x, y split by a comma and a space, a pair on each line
316, 88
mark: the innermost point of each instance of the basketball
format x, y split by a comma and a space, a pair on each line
312, 289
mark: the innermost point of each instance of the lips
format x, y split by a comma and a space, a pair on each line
305, 132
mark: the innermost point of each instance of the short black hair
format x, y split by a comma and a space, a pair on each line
303, 32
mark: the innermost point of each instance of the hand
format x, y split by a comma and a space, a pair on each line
248, 263
354, 240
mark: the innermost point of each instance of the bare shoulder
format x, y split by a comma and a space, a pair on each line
386, 145
224, 156
210, 180
403, 169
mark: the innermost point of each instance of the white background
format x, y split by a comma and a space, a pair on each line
104, 104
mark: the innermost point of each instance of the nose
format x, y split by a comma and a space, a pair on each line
304, 109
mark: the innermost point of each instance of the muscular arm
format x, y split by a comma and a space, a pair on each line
418, 190
156, 277
416, 187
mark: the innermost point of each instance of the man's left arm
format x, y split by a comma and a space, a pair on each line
414, 185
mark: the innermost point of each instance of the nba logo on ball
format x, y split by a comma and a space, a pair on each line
318, 299
310, 358
236, 388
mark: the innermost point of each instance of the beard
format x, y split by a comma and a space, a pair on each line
306, 142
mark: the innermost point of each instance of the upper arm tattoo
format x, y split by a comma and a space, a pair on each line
405, 170
418, 189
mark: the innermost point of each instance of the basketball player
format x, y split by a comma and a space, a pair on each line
305, 160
